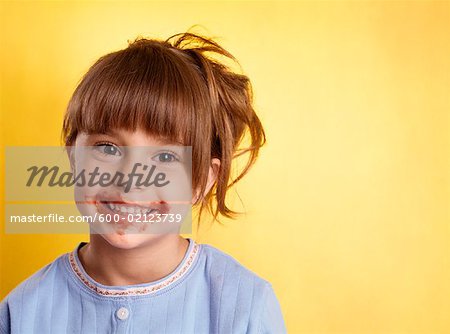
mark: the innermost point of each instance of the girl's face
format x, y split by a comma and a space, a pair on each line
136, 186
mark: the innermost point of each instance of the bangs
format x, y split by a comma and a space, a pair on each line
143, 86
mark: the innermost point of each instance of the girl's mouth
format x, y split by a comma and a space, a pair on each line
128, 210
118, 215
125, 208
125, 213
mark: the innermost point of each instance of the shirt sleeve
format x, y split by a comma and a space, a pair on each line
272, 321
4, 317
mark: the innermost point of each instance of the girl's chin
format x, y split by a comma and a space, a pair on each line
128, 240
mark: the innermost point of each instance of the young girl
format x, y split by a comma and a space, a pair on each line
148, 95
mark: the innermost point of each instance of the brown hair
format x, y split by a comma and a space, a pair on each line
172, 89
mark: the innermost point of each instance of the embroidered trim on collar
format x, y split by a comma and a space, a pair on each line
138, 291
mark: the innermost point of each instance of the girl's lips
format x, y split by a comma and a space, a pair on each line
126, 209
116, 204
130, 209
129, 213
102, 208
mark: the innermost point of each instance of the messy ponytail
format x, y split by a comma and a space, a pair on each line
185, 94
231, 101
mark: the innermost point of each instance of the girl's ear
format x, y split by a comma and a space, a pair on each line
212, 177
70, 155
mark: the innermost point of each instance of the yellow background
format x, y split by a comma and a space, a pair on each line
348, 206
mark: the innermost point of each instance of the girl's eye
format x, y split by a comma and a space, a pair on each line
166, 157
108, 149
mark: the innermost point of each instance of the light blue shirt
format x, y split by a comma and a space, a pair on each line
208, 292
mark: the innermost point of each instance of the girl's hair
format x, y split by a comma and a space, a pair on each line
173, 90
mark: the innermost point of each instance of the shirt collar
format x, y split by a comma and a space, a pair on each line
138, 289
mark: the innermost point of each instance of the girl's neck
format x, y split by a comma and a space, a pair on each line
112, 266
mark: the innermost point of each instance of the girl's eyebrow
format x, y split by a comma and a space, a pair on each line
167, 141
159, 140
